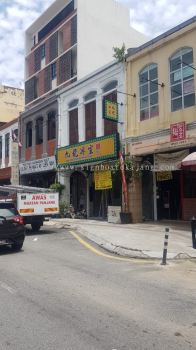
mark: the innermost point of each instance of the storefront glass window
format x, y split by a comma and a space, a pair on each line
182, 79
149, 99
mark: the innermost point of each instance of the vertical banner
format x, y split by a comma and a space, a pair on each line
124, 183
103, 180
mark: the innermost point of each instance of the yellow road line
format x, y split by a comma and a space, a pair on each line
97, 252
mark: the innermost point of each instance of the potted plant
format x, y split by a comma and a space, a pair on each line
58, 187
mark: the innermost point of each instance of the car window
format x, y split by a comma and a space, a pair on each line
8, 212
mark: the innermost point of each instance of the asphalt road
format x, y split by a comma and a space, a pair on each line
58, 295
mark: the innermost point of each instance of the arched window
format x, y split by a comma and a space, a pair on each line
110, 86
39, 131
109, 93
149, 100
182, 79
29, 135
51, 125
90, 115
73, 103
90, 96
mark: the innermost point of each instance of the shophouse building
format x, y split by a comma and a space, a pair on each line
68, 41
89, 141
161, 124
11, 103
9, 153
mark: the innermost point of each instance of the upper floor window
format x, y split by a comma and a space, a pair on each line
182, 79
43, 51
90, 120
51, 125
110, 86
110, 127
73, 126
39, 131
53, 71
1, 146
148, 84
29, 135
7, 145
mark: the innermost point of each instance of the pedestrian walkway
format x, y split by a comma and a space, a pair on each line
143, 240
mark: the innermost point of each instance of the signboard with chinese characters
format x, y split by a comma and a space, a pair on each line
37, 166
98, 149
111, 110
178, 131
164, 176
103, 180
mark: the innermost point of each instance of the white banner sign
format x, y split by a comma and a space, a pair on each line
38, 166
169, 161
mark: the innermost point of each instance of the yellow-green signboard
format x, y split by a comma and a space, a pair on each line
98, 149
111, 110
103, 180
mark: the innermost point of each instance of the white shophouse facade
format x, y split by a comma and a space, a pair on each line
91, 90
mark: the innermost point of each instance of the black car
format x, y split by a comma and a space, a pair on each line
12, 230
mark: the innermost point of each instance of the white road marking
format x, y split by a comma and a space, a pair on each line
8, 288
35, 239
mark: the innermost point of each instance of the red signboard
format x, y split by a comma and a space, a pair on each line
178, 131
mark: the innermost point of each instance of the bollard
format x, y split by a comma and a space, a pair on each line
164, 260
193, 227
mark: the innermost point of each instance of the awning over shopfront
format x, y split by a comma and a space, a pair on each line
190, 160
169, 161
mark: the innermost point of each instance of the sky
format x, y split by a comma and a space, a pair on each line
151, 17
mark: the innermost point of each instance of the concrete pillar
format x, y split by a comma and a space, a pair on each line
99, 114
45, 135
87, 197
81, 120
3, 151
33, 139
155, 195
135, 200
63, 138
23, 139
10, 149
121, 110
64, 179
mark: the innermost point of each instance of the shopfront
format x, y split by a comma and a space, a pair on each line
38, 173
92, 184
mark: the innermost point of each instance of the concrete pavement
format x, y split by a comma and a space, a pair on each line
134, 240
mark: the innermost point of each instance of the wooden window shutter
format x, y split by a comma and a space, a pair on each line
37, 59
90, 119
47, 79
65, 67
74, 30
73, 127
30, 90
53, 46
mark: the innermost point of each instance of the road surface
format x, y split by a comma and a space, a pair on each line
58, 294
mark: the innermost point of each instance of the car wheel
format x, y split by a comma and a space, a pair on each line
35, 227
17, 246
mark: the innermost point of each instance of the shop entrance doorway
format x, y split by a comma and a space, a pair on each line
169, 197
78, 191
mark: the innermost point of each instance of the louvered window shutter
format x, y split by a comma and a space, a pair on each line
53, 46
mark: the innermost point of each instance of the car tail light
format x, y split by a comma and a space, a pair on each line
19, 219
